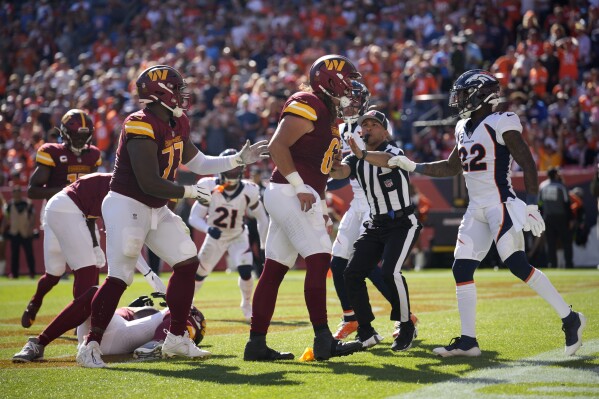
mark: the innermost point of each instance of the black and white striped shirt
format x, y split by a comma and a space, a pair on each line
386, 189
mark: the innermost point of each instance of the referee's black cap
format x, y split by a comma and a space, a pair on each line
376, 115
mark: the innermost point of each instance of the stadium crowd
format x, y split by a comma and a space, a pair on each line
241, 59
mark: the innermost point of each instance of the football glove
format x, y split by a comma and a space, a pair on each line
202, 194
160, 295
534, 221
252, 153
214, 232
100, 257
403, 162
142, 301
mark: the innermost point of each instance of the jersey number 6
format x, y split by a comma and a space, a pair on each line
327, 160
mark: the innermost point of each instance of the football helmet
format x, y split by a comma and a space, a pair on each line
232, 177
332, 75
358, 103
473, 89
198, 323
76, 129
165, 85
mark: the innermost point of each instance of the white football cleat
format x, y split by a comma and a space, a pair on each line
182, 345
31, 351
150, 350
89, 355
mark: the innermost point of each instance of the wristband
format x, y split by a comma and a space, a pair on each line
531, 199
364, 153
418, 168
188, 193
294, 179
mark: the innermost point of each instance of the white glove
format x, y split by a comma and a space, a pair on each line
202, 194
100, 257
403, 162
252, 153
534, 221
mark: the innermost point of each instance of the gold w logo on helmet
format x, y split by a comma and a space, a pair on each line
158, 74
334, 64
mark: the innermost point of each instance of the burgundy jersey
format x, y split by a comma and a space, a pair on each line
313, 153
66, 166
170, 141
88, 193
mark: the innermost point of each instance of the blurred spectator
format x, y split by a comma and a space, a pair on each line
19, 222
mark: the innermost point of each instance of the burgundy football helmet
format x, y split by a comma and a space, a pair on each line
358, 103
233, 176
76, 129
165, 85
198, 321
332, 75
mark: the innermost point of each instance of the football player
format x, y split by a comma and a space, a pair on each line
154, 141
137, 329
57, 166
222, 221
302, 148
486, 143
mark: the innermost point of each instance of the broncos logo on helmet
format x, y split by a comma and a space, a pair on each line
165, 85
232, 177
472, 90
76, 129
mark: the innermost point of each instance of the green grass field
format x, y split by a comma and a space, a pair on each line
519, 334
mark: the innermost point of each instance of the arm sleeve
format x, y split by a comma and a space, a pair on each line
203, 164
334, 184
197, 217
260, 214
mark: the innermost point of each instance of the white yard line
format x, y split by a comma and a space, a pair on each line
529, 374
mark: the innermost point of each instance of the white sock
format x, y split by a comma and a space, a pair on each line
245, 286
466, 295
198, 285
541, 284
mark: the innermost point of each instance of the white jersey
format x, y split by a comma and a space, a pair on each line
486, 160
359, 196
226, 209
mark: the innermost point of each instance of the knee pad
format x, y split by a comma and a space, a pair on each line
463, 270
187, 249
133, 241
518, 265
245, 272
510, 243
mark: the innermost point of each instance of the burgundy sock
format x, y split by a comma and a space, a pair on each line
315, 287
44, 285
73, 315
265, 295
103, 306
179, 296
85, 278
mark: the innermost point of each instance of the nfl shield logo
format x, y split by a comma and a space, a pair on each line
388, 183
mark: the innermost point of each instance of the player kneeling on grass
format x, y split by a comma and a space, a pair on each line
138, 328
486, 142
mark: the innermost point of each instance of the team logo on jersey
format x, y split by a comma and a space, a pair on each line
63, 159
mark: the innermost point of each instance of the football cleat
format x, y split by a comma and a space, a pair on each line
397, 324
345, 328
371, 341
182, 345
405, 338
31, 351
150, 350
29, 315
573, 330
257, 350
326, 347
89, 355
459, 346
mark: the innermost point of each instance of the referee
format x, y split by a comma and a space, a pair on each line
389, 236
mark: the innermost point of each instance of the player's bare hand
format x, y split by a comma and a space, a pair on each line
253, 153
354, 147
328, 223
306, 201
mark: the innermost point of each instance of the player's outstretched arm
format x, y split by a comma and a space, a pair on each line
39, 177
202, 164
445, 168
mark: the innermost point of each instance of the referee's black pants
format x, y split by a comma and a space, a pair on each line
390, 241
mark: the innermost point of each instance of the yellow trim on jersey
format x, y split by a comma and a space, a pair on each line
44, 158
139, 127
303, 110
99, 161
